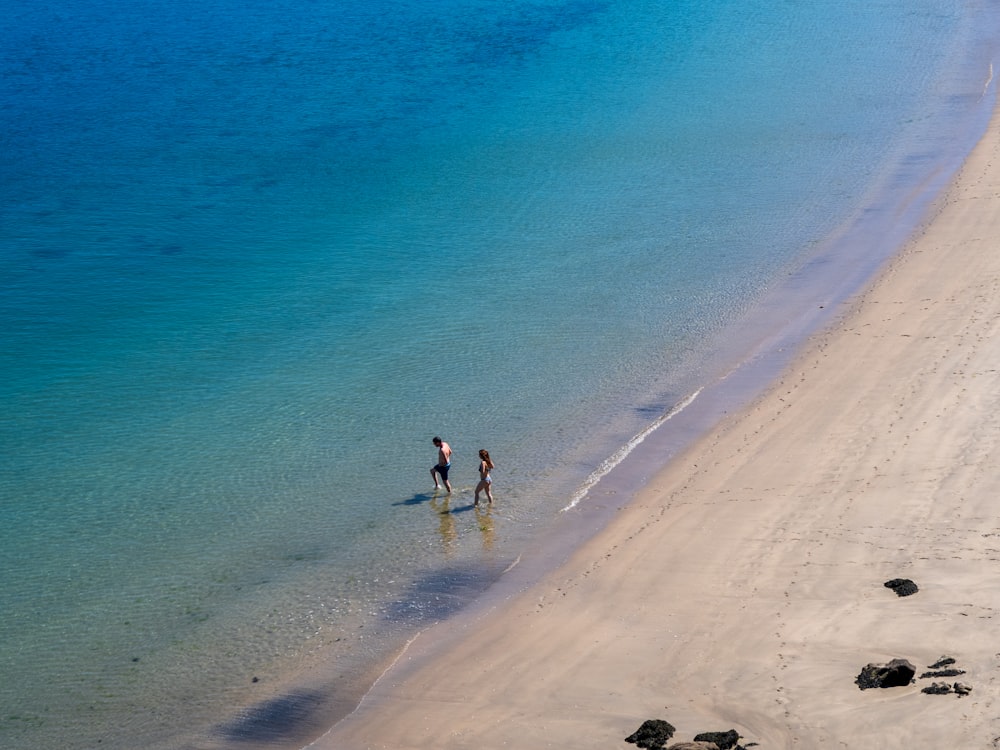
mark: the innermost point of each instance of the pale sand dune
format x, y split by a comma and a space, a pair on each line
743, 588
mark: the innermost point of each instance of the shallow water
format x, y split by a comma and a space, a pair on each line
255, 255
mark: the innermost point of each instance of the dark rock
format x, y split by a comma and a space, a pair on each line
943, 673
722, 740
944, 661
653, 734
897, 673
937, 688
902, 586
962, 689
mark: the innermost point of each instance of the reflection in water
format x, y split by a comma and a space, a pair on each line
446, 523
441, 505
484, 519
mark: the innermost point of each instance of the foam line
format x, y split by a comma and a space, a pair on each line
618, 456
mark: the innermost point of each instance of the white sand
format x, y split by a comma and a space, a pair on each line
743, 588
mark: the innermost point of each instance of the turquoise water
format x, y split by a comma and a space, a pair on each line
255, 255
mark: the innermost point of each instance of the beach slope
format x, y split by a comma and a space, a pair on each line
744, 587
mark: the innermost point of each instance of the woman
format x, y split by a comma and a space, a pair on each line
485, 480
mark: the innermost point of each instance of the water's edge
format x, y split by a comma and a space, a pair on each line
749, 359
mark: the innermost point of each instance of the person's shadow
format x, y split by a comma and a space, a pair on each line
419, 499
462, 509
435, 498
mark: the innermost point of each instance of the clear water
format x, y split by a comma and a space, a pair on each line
254, 255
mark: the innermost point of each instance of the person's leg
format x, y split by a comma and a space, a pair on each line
434, 476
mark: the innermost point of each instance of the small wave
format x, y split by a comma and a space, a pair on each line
618, 456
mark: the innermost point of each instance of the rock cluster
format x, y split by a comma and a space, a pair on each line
943, 688
655, 733
897, 673
722, 740
902, 586
939, 669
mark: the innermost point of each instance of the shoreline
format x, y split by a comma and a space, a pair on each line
257, 577
590, 630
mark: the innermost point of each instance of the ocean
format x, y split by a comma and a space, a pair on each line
254, 255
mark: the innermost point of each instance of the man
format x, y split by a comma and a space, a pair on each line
443, 464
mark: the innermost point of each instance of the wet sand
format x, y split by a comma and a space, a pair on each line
743, 586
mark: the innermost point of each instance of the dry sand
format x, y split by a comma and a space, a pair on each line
743, 587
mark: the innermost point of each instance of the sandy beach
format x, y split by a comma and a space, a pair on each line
743, 588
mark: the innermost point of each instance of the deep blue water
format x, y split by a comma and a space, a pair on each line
254, 255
